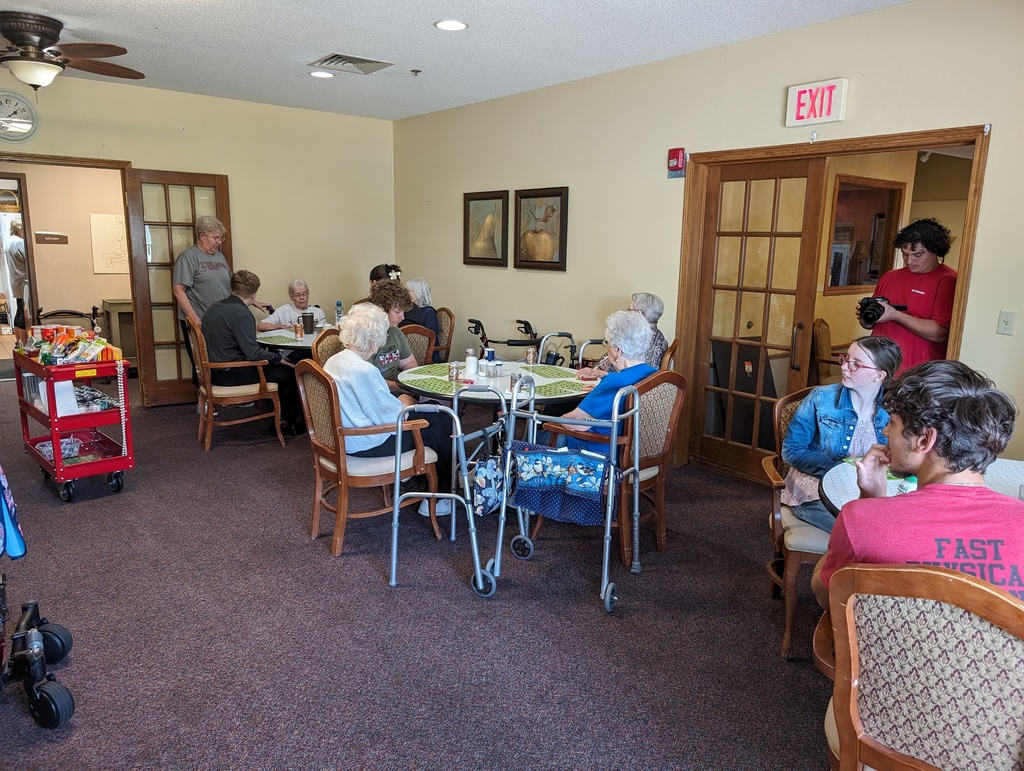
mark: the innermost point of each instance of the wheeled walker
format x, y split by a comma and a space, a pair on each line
548, 470
482, 582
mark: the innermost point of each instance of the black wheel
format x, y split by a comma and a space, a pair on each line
522, 547
46, 474
489, 585
53, 704
115, 481
57, 642
611, 596
67, 492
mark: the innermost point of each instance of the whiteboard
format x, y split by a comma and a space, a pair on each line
109, 243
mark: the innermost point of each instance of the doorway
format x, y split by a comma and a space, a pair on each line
710, 441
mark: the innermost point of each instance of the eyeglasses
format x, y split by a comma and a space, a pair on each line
853, 364
215, 239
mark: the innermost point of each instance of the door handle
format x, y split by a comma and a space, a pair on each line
793, 363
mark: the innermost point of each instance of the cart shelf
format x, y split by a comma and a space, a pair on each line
100, 452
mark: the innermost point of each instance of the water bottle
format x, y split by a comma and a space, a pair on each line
339, 311
907, 485
471, 362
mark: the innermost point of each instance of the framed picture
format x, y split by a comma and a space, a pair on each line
542, 216
484, 239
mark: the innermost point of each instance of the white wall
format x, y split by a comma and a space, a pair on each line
925, 65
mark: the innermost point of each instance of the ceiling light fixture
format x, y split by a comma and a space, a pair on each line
450, 25
321, 74
33, 72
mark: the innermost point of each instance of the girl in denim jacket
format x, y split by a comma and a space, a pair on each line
835, 422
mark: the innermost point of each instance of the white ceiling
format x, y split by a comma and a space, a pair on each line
257, 50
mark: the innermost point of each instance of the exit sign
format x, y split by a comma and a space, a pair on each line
821, 102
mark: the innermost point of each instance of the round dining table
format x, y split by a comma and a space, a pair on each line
554, 385
839, 485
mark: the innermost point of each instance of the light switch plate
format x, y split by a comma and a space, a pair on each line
1007, 320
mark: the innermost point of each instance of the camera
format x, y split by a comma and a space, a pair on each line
871, 309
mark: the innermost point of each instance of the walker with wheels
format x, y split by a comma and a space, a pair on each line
550, 473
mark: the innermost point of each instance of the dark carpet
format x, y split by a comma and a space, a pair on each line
6, 369
212, 633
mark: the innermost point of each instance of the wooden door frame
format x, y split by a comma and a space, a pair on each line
695, 194
60, 160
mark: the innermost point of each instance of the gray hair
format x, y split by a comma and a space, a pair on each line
649, 305
365, 327
420, 291
296, 285
630, 333
210, 225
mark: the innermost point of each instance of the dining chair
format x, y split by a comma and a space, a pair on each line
213, 396
421, 340
446, 327
326, 344
928, 670
824, 358
668, 359
795, 542
335, 471
661, 404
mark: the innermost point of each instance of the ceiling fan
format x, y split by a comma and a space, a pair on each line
35, 57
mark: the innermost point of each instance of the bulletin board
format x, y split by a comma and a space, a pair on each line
109, 243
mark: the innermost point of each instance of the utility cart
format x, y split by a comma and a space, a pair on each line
60, 398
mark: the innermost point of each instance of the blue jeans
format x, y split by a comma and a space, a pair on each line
815, 513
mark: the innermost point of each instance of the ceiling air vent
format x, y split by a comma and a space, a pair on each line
345, 63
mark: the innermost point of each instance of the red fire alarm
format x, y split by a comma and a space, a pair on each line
677, 159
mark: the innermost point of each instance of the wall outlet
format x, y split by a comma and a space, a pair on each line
1007, 319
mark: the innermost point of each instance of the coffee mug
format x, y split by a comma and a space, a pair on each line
308, 322
554, 359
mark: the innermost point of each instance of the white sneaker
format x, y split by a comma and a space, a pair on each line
442, 507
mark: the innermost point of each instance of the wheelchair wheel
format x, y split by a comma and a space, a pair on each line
57, 642
52, 705
610, 597
490, 586
522, 547
67, 492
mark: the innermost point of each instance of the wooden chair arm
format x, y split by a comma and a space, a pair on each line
569, 430
387, 428
768, 464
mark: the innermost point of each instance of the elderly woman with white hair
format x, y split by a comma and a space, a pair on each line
422, 312
366, 399
627, 338
650, 307
286, 316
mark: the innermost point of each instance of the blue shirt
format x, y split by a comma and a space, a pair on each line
821, 431
599, 402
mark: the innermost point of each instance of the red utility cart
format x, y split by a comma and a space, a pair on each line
100, 452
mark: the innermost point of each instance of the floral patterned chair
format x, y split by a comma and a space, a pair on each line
929, 670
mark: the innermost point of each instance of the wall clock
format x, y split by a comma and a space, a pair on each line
18, 118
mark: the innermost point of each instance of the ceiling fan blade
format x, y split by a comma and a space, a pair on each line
87, 50
105, 68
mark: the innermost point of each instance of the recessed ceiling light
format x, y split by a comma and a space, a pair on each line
450, 25
321, 74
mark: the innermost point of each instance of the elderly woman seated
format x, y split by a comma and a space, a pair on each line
366, 399
627, 338
650, 307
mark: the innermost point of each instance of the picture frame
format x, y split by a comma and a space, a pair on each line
485, 228
542, 218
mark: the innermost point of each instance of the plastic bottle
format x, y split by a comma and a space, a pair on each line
471, 362
339, 311
906, 485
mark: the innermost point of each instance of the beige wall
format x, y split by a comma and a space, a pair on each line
931, 64
61, 199
312, 193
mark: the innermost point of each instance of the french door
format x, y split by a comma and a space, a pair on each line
757, 285
162, 210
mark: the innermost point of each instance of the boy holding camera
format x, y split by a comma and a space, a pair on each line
913, 305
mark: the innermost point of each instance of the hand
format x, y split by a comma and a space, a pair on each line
871, 472
587, 373
197, 321
889, 312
